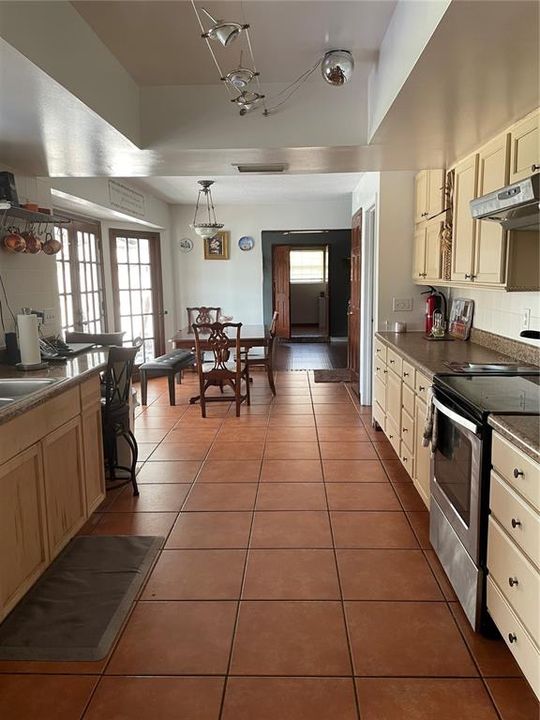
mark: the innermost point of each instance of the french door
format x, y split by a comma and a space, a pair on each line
137, 290
79, 271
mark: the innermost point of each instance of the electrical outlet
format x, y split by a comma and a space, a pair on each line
49, 315
402, 304
526, 319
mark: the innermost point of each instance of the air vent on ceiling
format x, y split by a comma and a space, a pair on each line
260, 168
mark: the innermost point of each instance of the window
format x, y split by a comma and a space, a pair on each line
308, 266
80, 277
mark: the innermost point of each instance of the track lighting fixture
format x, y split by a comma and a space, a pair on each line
223, 31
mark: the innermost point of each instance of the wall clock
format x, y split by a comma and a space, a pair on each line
246, 243
185, 245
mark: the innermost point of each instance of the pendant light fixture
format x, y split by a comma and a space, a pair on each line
210, 228
337, 67
224, 31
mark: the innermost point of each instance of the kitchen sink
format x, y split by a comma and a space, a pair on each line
14, 389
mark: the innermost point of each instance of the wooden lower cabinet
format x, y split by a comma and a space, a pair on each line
63, 468
422, 464
23, 527
94, 472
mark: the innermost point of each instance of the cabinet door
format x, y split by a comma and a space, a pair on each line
393, 397
466, 175
525, 151
422, 462
63, 468
94, 472
490, 238
420, 196
433, 250
435, 192
23, 531
419, 260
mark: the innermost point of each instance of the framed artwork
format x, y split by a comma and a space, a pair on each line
217, 247
461, 315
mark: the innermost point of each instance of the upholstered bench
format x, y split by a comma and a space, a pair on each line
170, 364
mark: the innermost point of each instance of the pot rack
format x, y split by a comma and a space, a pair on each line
30, 219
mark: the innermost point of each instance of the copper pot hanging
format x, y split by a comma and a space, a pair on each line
51, 246
33, 242
13, 241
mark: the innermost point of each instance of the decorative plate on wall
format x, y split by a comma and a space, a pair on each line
246, 243
185, 245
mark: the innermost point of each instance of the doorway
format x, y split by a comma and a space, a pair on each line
353, 310
137, 290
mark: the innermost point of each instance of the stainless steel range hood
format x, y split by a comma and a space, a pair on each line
515, 206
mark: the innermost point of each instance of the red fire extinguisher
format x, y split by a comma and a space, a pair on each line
432, 304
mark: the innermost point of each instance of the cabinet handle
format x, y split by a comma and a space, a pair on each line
377, 368
534, 168
513, 581
404, 459
421, 388
405, 429
390, 437
517, 473
385, 371
516, 523
467, 276
512, 637
405, 374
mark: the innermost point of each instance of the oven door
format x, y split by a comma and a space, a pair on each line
456, 480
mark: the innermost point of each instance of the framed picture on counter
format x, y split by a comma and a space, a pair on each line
217, 247
461, 314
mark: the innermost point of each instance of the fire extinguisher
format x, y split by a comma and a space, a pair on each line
435, 301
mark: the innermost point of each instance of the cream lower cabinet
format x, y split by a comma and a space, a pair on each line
422, 455
23, 526
92, 441
513, 558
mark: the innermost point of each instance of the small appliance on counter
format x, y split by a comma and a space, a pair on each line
460, 469
28, 332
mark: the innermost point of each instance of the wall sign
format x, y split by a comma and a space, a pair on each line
124, 198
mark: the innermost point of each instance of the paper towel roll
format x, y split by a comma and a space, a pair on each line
29, 339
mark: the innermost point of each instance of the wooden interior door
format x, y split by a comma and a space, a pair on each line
138, 291
353, 312
281, 289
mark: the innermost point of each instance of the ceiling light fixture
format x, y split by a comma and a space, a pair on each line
210, 228
240, 77
247, 100
337, 67
223, 31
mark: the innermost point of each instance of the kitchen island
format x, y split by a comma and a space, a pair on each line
51, 468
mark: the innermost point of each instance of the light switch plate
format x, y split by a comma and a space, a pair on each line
49, 315
402, 304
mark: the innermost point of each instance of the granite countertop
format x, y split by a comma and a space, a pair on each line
523, 431
67, 375
430, 355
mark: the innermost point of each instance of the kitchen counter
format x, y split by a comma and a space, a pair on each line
523, 431
68, 374
430, 355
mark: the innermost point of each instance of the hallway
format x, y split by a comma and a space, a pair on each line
292, 355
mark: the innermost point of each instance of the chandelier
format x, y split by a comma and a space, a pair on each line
210, 228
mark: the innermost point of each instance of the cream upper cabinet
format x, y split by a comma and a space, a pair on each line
465, 186
419, 260
429, 194
433, 250
525, 147
490, 238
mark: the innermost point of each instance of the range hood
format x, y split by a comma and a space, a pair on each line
515, 206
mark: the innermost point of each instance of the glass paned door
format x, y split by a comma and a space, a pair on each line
139, 311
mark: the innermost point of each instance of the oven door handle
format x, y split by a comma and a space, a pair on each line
458, 419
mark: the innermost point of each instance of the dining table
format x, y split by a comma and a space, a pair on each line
250, 336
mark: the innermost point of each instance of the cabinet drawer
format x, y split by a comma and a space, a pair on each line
406, 457
407, 373
394, 361
517, 579
380, 371
407, 399
392, 433
393, 397
514, 634
378, 415
421, 385
520, 471
407, 428
518, 519
380, 350
379, 393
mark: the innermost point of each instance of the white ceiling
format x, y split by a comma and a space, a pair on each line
256, 189
159, 43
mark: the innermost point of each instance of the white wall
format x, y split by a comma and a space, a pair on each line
236, 285
501, 312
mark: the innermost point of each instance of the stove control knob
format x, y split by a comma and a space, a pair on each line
513, 581
518, 473
516, 523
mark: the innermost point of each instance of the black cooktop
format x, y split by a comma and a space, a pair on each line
503, 394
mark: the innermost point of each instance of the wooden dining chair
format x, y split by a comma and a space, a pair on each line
212, 340
203, 315
264, 357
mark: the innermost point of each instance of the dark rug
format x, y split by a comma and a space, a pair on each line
332, 376
79, 604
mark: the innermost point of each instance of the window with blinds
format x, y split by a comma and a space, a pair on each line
308, 266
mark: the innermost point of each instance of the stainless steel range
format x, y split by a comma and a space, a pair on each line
461, 469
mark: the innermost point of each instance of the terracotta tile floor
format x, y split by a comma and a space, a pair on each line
296, 580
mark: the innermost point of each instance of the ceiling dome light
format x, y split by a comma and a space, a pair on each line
210, 228
337, 67
247, 100
223, 31
240, 78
